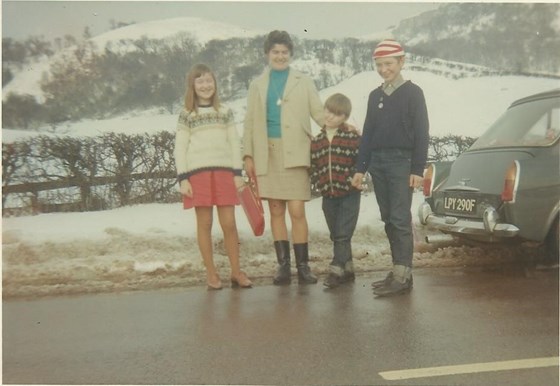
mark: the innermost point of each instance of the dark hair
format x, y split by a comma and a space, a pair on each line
278, 37
191, 101
339, 104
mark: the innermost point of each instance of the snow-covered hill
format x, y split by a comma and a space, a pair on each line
201, 30
518, 36
464, 106
27, 80
462, 98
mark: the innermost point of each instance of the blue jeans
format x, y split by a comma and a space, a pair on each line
341, 214
390, 172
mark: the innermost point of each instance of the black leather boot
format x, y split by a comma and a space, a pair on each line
302, 263
283, 273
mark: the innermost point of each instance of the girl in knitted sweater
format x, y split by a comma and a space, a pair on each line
208, 161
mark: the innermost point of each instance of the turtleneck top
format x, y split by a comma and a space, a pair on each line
276, 86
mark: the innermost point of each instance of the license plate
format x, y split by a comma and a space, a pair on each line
459, 204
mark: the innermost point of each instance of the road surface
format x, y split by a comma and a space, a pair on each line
467, 326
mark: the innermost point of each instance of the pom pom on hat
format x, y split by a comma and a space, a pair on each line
387, 48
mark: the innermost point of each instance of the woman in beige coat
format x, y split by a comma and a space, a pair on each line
276, 141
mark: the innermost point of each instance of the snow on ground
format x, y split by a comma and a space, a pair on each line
154, 246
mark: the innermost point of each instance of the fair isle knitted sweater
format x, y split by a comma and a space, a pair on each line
333, 163
207, 140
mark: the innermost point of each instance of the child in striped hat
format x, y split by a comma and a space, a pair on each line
394, 150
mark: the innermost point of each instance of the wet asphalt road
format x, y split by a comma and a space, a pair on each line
301, 335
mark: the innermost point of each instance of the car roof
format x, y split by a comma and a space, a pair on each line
543, 95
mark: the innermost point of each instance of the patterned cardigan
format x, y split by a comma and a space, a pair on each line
333, 164
207, 140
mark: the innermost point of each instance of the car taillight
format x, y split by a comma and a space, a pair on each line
510, 183
428, 181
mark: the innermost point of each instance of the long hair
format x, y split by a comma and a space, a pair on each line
191, 101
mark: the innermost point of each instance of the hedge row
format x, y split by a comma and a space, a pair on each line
111, 170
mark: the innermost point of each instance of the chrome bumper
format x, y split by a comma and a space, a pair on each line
489, 226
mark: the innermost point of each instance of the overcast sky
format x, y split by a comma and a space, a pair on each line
21, 19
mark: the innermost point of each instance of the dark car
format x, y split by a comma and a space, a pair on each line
506, 187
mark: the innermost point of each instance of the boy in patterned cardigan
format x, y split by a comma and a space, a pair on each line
333, 158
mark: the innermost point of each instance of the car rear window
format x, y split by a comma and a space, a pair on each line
535, 123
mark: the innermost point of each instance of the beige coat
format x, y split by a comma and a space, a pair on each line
300, 103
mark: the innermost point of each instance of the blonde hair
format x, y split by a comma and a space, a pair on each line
339, 104
191, 101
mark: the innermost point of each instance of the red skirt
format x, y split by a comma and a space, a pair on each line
215, 187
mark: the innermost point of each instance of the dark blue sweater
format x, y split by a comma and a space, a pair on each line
401, 123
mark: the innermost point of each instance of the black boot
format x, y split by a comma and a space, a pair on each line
283, 273
302, 263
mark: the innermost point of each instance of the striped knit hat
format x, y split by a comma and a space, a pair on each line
387, 48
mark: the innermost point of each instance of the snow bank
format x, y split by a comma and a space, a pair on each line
154, 246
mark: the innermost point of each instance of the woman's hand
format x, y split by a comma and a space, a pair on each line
239, 183
185, 188
250, 167
357, 180
352, 128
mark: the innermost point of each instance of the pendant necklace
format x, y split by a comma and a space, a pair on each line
278, 95
278, 99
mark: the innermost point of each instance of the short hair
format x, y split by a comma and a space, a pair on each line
191, 101
278, 37
339, 104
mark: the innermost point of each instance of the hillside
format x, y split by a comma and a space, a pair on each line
465, 106
142, 66
169, 31
519, 37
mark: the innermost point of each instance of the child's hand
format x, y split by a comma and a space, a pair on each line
357, 180
185, 188
415, 181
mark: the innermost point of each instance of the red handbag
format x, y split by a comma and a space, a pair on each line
252, 206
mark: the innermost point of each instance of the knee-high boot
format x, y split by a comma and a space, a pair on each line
302, 263
283, 274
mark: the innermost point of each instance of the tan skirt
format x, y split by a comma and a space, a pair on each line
281, 183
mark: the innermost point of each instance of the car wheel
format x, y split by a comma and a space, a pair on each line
551, 244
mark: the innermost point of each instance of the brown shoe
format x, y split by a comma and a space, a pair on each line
332, 280
395, 287
214, 283
241, 281
383, 282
